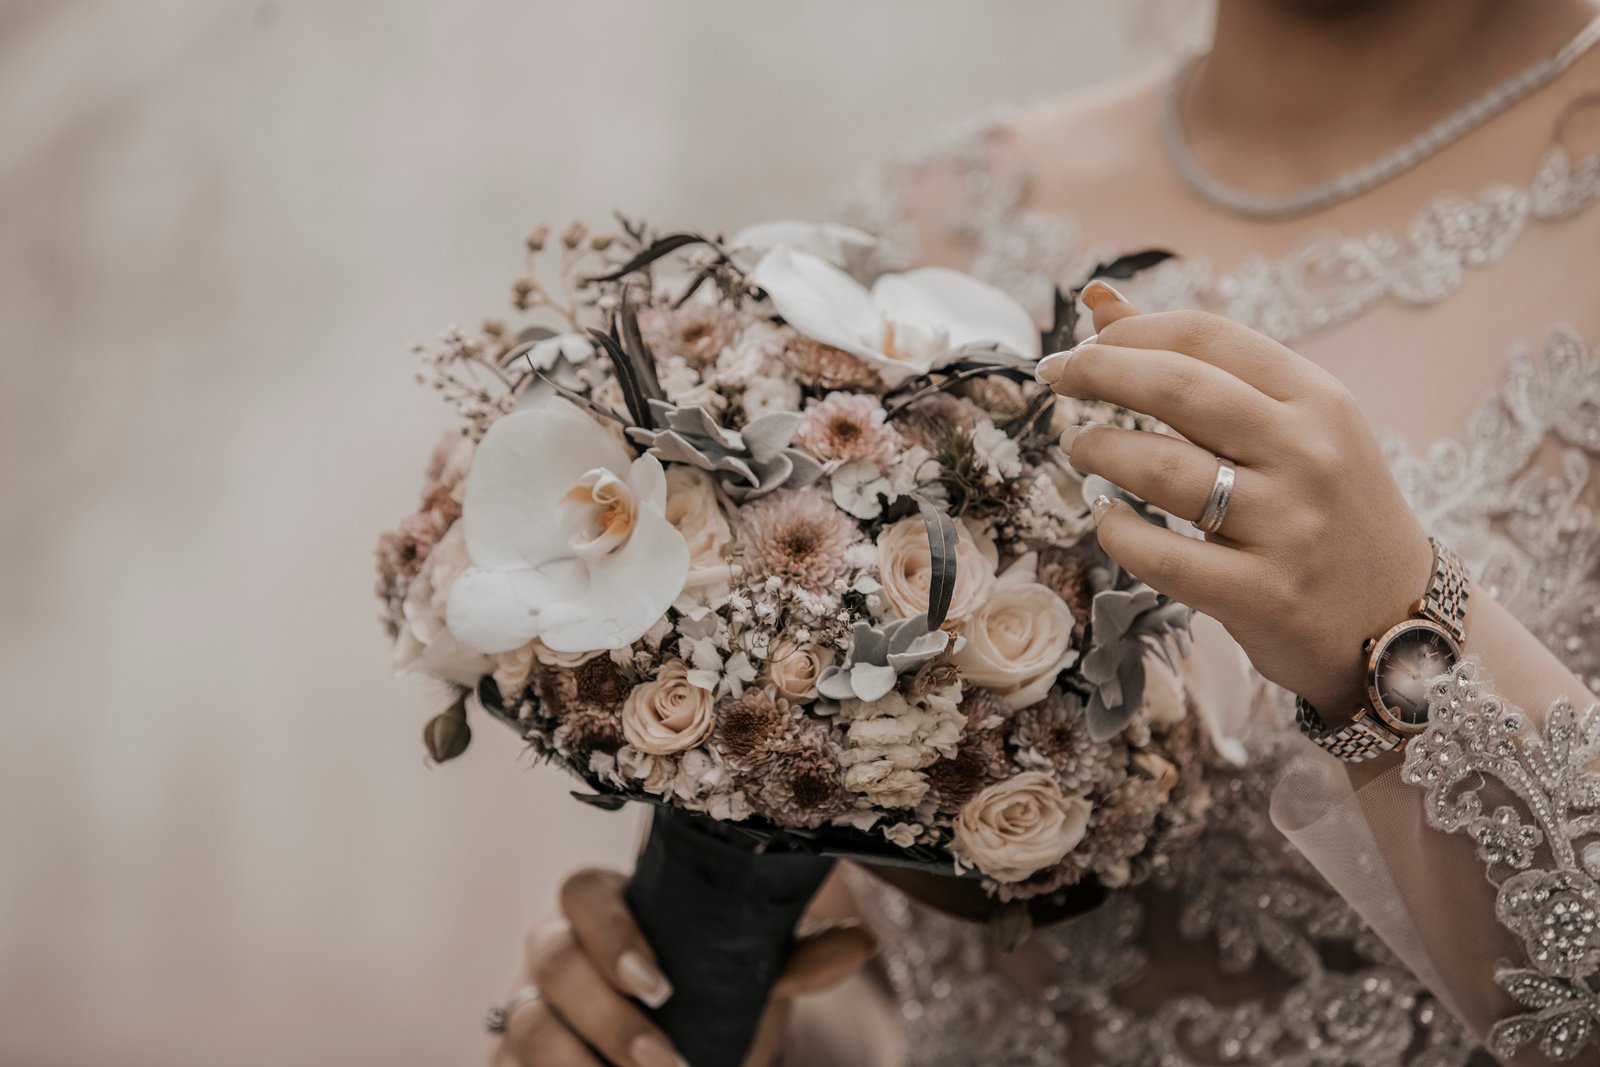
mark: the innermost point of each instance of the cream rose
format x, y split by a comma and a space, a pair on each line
905, 562
1018, 640
794, 670
667, 714
1020, 826
693, 510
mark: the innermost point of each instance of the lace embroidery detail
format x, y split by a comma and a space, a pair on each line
1531, 536
1327, 281
1242, 888
1540, 843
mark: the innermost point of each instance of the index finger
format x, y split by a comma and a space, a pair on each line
1253, 357
593, 903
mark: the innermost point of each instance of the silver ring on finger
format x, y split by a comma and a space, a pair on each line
498, 1017
1217, 503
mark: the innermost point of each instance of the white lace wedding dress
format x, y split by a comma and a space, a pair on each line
1314, 923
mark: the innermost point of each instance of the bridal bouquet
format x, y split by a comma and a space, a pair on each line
776, 537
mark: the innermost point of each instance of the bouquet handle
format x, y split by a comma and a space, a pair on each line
720, 915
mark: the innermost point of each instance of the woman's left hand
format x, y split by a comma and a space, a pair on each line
1318, 550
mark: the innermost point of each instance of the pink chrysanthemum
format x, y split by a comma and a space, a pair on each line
848, 426
698, 332
825, 367
798, 536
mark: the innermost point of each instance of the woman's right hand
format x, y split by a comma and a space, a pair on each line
592, 970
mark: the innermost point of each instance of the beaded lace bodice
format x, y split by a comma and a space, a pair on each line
1298, 978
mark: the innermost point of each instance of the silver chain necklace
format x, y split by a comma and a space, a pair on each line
1354, 182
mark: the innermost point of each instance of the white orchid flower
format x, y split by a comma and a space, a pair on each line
906, 324
568, 538
856, 252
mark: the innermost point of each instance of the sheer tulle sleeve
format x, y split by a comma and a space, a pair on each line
1477, 858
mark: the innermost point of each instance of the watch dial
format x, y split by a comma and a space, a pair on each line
1406, 665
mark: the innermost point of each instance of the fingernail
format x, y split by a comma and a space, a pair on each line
643, 979
651, 1050
1069, 435
1051, 367
1101, 505
1097, 292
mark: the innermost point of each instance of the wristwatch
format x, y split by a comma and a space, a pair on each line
1400, 664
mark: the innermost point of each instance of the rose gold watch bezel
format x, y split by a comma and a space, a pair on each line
1375, 657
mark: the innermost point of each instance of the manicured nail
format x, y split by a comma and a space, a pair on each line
643, 979
1101, 505
1051, 367
1097, 292
1069, 435
651, 1050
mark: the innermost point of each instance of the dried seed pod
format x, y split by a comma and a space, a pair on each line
447, 733
538, 238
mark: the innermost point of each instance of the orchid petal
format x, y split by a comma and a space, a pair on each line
447, 658
494, 610
524, 465
626, 596
970, 311
822, 302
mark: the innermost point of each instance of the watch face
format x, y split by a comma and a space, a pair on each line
1407, 659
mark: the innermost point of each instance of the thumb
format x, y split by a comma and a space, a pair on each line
1105, 304
824, 959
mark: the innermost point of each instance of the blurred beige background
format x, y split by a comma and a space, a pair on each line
220, 225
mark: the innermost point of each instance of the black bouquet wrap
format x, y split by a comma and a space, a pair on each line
719, 908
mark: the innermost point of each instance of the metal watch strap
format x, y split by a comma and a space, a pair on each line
1445, 602
1359, 739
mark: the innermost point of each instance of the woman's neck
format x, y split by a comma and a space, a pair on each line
1294, 91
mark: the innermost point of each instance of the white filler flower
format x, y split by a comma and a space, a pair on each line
906, 324
569, 539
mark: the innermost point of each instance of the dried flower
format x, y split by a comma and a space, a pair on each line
1122, 828
822, 366
978, 763
801, 785
846, 427
1054, 734
799, 537
697, 332
752, 727
589, 730
932, 419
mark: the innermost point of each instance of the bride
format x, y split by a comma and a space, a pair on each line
1363, 346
